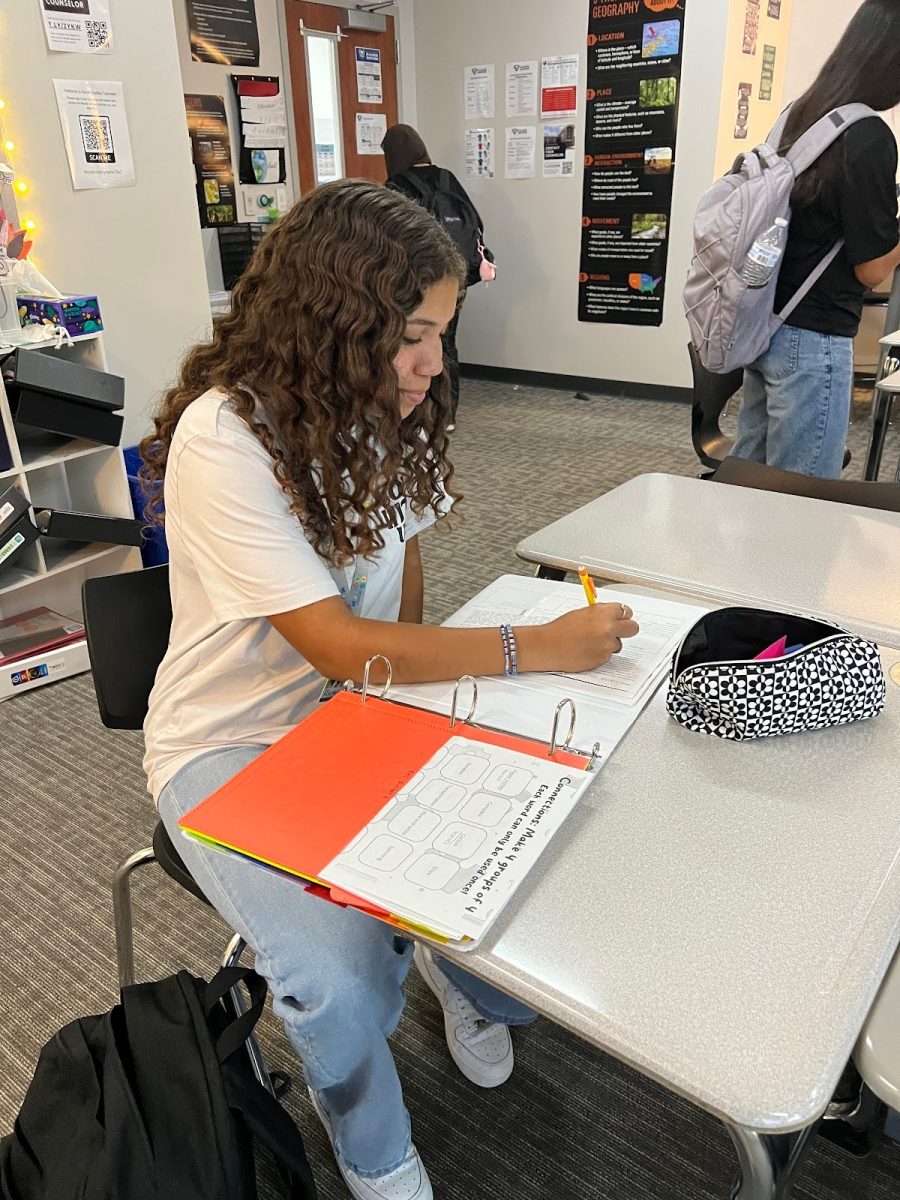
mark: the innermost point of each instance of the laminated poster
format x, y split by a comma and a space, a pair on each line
369, 89
224, 32
211, 151
95, 130
631, 120
78, 26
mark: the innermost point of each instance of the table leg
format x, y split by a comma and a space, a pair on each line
881, 420
767, 1162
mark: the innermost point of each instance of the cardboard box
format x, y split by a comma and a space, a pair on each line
77, 314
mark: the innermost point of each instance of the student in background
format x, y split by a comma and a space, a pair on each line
797, 395
302, 449
411, 171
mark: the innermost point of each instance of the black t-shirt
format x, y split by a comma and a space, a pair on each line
859, 204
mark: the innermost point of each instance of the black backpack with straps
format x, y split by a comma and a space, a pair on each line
455, 213
153, 1100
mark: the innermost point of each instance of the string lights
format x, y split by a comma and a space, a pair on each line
21, 187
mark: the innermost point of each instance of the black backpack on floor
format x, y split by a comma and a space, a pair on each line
153, 1100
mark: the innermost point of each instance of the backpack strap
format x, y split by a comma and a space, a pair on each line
417, 184
268, 1122
236, 1032
811, 280
820, 136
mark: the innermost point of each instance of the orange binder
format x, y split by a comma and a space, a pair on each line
307, 797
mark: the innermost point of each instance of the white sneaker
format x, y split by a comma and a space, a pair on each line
481, 1049
409, 1181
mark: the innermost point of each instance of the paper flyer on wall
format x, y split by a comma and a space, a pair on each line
479, 154
521, 89
78, 26
478, 91
559, 151
559, 85
95, 131
370, 131
520, 141
369, 88
631, 120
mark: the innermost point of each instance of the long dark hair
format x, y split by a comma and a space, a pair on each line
863, 69
306, 356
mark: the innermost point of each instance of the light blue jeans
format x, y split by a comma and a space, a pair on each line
336, 976
796, 406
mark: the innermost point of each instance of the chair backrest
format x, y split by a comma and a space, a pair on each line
711, 394
127, 619
743, 473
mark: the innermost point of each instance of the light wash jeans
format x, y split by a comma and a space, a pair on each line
336, 976
796, 406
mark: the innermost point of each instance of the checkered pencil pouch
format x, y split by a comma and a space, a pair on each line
716, 687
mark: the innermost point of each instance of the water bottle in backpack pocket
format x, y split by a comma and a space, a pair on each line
764, 255
730, 290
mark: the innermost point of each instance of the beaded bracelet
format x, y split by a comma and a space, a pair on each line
510, 654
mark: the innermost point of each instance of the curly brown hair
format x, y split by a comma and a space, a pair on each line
306, 356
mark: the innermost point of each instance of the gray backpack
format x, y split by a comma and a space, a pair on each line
731, 323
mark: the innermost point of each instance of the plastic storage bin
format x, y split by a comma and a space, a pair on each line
155, 549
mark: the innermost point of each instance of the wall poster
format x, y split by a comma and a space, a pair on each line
633, 83
95, 130
211, 151
224, 31
79, 26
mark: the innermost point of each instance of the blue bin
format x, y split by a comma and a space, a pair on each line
155, 549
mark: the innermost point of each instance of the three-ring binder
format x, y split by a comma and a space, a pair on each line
469, 719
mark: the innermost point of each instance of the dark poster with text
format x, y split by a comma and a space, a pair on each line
224, 31
211, 151
631, 116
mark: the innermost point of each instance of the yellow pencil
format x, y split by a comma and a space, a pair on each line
588, 584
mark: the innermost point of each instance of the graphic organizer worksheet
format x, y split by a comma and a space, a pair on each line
451, 847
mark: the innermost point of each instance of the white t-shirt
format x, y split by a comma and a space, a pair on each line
237, 554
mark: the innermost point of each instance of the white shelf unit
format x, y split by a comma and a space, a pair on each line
66, 473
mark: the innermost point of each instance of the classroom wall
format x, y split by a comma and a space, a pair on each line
138, 248
528, 318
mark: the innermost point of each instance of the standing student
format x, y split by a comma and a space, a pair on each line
411, 171
302, 449
797, 394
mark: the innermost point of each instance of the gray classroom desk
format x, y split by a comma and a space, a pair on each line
720, 915
736, 545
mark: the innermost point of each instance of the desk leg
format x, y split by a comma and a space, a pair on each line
881, 420
767, 1162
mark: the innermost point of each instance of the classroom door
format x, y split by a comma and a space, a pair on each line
344, 85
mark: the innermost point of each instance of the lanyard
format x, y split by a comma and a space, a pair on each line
352, 587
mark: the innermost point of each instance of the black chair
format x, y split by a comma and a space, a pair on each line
711, 394
127, 619
743, 473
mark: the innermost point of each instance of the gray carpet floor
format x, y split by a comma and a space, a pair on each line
571, 1124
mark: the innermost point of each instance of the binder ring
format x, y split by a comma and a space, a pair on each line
471, 713
387, 683
565, 745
